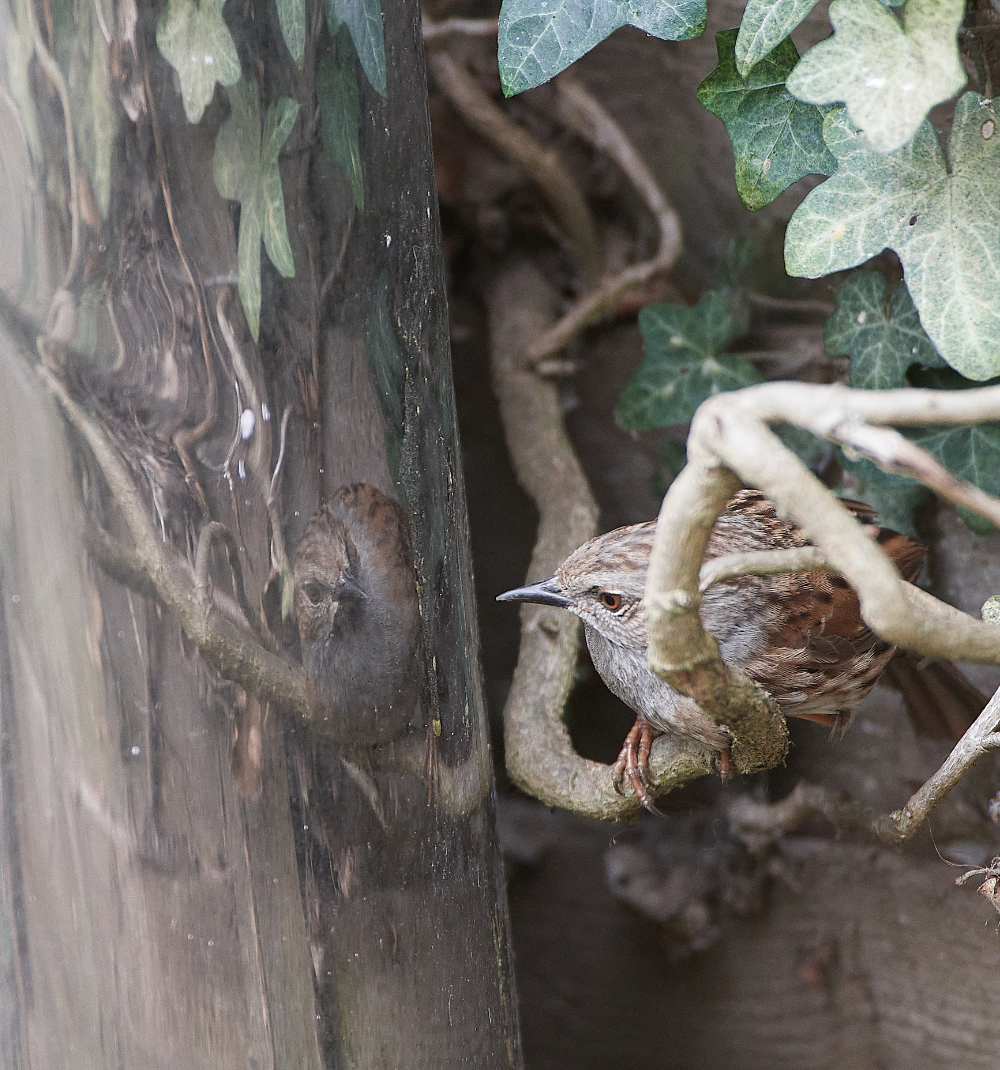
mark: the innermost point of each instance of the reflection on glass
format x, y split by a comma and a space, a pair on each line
245, 803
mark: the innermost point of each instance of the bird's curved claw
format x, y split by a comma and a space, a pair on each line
633, 762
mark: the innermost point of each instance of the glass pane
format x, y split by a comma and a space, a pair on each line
246, 807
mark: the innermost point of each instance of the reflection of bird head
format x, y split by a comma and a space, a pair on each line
356, 601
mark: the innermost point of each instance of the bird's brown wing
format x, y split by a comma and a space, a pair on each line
820, 656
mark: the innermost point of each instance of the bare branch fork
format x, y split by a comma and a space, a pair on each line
729, 444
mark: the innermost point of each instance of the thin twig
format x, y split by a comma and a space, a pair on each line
974, 744
211, 532
542, 165
760, 563
586, 117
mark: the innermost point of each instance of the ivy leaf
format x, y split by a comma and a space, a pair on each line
766, 23
944, 225
883, 340
292, 18
245, 167
540, 38
685, 362
888, 74
971, 453
776, 138
337, 90
196, 42
363, 19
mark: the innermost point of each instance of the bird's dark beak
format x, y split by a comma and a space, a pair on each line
347, 587
546, 593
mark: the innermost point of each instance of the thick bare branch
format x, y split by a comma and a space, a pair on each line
540, 755
230, 648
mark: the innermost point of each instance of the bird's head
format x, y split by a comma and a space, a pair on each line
327, 589
602, 582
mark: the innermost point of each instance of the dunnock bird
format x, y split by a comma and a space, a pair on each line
799, 635
356, 603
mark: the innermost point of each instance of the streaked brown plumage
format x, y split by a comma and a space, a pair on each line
799, 635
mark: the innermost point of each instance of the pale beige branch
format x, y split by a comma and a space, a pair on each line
586, 117
543, 166
760, 563
894, 453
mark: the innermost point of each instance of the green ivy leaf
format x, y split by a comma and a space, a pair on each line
245, 167
196, 42
776, 138
540, 38
944, 226
766, 23
292, 18
888, 74
883, 339
337, 90
363, 19
685, 362
971, 453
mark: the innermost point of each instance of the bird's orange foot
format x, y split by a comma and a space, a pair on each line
633, 762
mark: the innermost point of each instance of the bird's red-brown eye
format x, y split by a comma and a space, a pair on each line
611, 601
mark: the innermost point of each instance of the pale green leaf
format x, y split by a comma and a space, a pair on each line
196, 42
292, 19
540, 38
944, 226
685, 361
888, 74
883, 338
245, 168
776, 139
766, 23
363, 19
337, 91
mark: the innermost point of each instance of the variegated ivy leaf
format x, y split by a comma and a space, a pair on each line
888, 73
944, 222
245, 167
765, 24
196, 42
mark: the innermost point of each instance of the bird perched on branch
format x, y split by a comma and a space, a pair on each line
799, 634
356, 603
